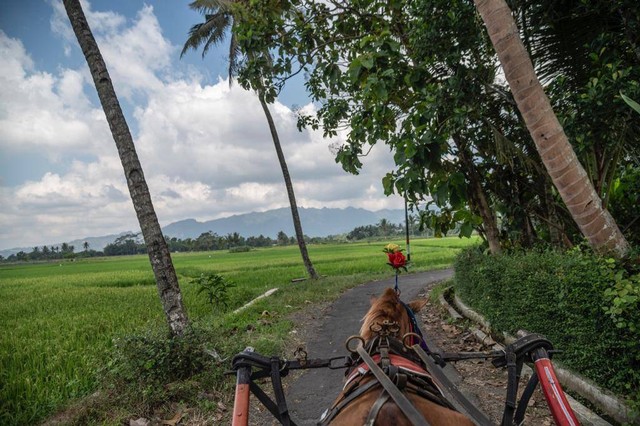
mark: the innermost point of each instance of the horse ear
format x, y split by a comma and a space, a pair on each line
418, 304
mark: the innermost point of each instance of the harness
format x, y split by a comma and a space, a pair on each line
388, 365
398, 366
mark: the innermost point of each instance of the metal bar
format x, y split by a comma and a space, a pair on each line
453, 395
241, 401
560, 409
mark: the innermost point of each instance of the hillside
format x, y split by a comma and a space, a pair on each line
315, 223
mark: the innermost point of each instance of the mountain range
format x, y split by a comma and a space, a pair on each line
315, 223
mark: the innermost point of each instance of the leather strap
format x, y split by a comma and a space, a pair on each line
283, 411
518, 419
414, 416
375, 408
339, 405
453, 395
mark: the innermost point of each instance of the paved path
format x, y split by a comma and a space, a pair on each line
313, 391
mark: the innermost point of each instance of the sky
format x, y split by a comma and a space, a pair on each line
205, 147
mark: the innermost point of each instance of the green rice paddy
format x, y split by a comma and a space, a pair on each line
58, 320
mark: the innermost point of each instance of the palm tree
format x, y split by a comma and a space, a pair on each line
159, 255
219, 19
557, 154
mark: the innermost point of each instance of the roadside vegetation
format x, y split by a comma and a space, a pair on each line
588, 306
70, 328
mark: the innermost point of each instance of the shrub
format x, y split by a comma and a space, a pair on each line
215, 287
587, 306
143, 366
157, 357
239, 249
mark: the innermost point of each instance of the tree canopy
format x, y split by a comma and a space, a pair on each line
423, 78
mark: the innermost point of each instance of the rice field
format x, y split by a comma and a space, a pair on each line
58, 320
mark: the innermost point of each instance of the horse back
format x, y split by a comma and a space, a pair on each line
358, 411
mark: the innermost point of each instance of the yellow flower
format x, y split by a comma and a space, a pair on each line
391, 248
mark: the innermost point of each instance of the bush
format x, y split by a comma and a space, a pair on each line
216, 288
156, 357
144, 367
587, 306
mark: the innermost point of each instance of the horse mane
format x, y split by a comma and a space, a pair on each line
386, 307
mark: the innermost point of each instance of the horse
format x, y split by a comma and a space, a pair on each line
364, 399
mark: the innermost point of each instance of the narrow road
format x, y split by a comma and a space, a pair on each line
315, 390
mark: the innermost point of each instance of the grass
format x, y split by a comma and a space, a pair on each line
59, 320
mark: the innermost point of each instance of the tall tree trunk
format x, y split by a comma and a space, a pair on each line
159, 255
488, 218
292, 197
568, 175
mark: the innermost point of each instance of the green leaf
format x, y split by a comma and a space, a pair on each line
442, 193
466, 229
354, 70
387, 184
410, 149
460, 215
381, 92
633, 104
367, 61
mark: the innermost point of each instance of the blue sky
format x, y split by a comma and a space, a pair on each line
205, 148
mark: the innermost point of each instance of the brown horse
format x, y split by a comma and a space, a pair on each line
364, 400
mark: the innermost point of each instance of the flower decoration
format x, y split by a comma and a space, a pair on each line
396, 258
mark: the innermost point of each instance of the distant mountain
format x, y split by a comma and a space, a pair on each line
315, 222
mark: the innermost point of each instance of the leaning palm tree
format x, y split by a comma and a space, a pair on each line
557, 154
219, 21
165, 274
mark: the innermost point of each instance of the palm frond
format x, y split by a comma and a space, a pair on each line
211, 6
207, 33
561, 33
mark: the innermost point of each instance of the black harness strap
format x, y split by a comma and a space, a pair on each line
524, 399
283, 411
459, 401
415, 328
344, 402
514, 358
375, 409
267, 402
428, 391
414, 416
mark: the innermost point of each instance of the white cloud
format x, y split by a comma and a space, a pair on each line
100, 22
43, 112
134, 55
206, 150
91, 199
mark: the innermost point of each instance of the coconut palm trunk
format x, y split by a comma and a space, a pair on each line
219, 18
566, 172
292, 197
166, 279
